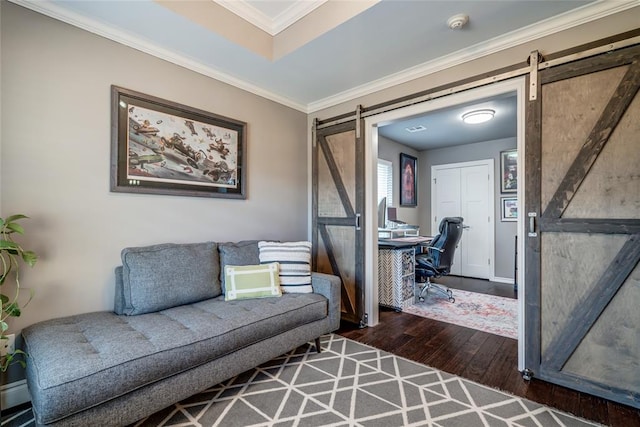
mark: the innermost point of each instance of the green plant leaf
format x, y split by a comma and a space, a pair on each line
4, 299
8, 245
17, 356
12, 310
15, 218
29, 257
3, 326
15, 227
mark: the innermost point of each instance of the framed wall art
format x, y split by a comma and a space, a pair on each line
509, 208
162, 147
509, 171
408, 180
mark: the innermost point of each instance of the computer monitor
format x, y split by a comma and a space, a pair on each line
392, 214
382, 213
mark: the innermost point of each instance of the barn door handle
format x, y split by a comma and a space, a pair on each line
357, 221
532, 224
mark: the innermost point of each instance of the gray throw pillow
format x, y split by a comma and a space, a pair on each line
168, 275
245, 252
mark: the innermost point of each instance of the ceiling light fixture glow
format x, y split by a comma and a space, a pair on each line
478, 116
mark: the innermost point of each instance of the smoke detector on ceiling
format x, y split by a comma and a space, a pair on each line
458, 21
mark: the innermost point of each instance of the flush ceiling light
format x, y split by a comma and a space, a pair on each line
478, 116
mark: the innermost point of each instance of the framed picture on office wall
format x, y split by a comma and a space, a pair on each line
162, 147
408, 180
509, 171
509, 208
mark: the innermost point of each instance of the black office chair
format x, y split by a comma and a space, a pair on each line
437, 261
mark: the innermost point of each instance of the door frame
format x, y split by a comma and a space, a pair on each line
491, 238
517, 85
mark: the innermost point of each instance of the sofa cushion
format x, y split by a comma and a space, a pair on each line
295, 264
245, 252
251, 281
162, 276
96, 357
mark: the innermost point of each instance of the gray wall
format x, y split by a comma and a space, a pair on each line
55, 162
390, 150
504, 231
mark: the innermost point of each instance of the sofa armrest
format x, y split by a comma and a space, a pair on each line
329, 286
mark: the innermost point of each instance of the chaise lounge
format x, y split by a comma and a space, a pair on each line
172, 334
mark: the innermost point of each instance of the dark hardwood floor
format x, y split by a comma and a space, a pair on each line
488, 359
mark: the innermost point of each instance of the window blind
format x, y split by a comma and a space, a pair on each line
385, 181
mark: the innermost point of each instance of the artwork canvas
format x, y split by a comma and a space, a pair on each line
408, 180
162, 147
509, 171
509, 208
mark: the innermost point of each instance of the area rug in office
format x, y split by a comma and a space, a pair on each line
488, 313
349, 384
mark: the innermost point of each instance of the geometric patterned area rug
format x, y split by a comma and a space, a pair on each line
488, 313
350, 384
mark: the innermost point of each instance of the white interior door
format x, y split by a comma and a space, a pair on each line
446, 193
466, 190
474, 201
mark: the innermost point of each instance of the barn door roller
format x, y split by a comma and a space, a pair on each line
534, 59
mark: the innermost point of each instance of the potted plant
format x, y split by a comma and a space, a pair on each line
10, 255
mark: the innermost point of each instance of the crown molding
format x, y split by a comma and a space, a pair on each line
294, 13
567, 20
273, 26
50, 9
585, 14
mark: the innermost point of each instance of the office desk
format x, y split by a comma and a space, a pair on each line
407, 241
396, 270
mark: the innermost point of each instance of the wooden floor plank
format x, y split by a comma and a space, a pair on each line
459, 360
567, 399
622, 415
502, 364
593, 408
479, 365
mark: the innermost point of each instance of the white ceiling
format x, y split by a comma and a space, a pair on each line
444, 127
355, 47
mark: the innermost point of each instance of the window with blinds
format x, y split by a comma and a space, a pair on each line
385, 181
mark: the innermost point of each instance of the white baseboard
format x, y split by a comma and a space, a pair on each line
14, 394
502, 280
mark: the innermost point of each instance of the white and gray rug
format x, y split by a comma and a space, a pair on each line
351, 384
488, 313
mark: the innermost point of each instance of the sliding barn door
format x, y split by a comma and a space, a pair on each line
583, 214
338, 202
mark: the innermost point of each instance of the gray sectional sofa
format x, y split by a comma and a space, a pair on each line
171, 335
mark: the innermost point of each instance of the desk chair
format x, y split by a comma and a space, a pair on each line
438, 258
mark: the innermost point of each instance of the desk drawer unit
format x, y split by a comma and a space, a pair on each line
396, 277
